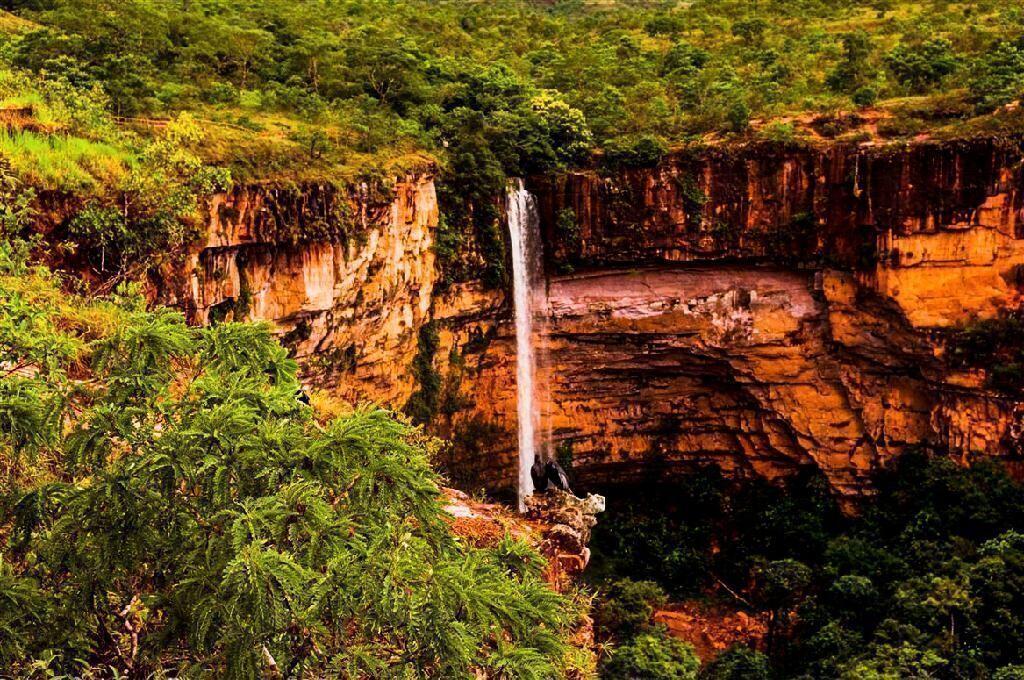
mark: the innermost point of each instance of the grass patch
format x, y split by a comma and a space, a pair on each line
64, 163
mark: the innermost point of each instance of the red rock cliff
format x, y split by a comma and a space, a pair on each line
761, 309
346, 278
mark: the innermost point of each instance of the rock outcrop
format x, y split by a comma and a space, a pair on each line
935, 226
558, 524
762, 308
346, 278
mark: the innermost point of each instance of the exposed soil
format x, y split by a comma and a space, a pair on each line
713, 628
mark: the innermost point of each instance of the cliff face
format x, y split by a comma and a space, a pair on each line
345, 278
935, 227
761, 310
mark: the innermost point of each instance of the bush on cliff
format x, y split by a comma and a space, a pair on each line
167, 506
626, 608
995, 345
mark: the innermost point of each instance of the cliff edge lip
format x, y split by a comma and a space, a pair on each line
863, 129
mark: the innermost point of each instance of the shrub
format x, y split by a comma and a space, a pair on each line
651, 656
627, 607
996, 345
865, 95
779, 133
922, 66
737, 663
644, 151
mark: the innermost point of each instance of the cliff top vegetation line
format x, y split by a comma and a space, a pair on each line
293, 89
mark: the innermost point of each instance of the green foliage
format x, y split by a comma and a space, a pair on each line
865, 95
779, 133
627, 607
781, 583
508, 88
535, 85
652, 656
182, 510
995, 345
16, 212
737, 663
928, 581
922, 66
644, 151
854, 70
424, 402
69, 164
567, 231
996, 75
671, 546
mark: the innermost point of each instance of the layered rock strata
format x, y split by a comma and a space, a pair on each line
346, 278
762, 308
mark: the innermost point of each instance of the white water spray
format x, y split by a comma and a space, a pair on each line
524, 232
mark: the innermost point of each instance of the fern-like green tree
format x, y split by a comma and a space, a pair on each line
169, 507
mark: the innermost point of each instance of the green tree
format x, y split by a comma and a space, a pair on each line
781, 586
996, 76
924, 65
194, 514
853, 71
651, 656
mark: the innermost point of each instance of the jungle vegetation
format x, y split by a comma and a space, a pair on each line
926, 582
169, 507
167, 504
340, 89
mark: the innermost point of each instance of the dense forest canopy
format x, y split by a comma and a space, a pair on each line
335, 90
523, 85
927, 582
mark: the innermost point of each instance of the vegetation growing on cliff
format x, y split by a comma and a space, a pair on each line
994, 345
340, 89
168, 506
928, 582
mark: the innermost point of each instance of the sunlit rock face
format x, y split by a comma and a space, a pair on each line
761, 309
648, 373
346, 278
934, 226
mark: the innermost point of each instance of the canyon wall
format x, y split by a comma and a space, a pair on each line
345, 277
935, 226
759, 307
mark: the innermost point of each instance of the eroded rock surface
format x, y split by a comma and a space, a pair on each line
761, 308
650, 372
345, 278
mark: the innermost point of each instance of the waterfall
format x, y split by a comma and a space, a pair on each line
524, 235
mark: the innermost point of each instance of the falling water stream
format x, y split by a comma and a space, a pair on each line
524, 231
